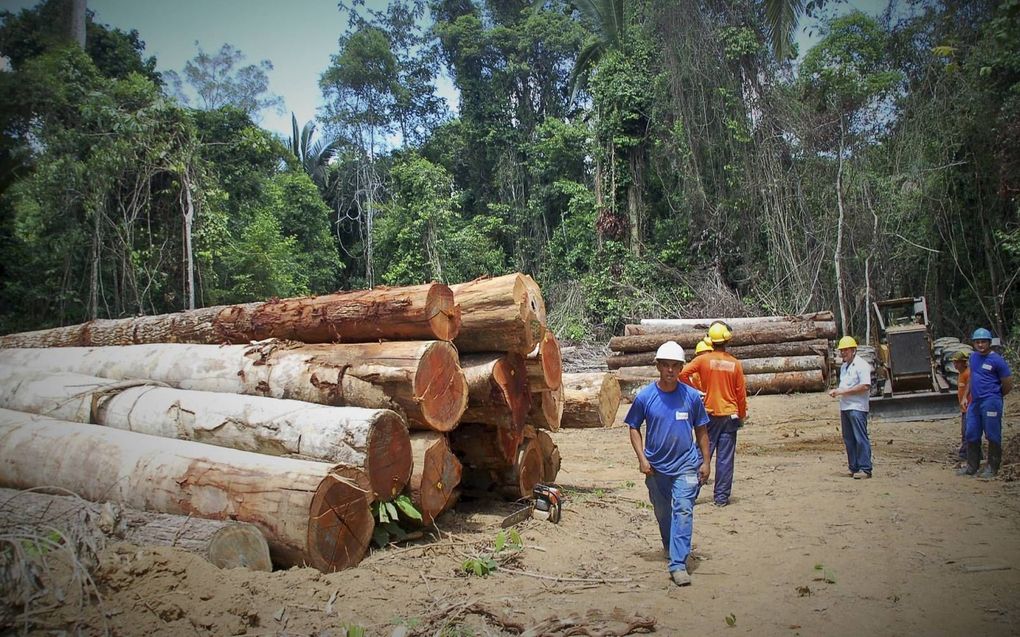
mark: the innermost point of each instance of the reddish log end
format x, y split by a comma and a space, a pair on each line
388, 457
440, 388
340, 521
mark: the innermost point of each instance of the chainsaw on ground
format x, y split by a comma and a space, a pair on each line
546, 504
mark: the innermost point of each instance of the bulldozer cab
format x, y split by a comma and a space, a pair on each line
907, 383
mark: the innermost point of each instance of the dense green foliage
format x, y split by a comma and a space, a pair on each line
638, 157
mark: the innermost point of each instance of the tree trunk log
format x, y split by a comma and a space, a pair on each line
485, 446
424, 312
224, 543
767, 333
547, 409
545, 365
782, 364
310, 512
590, 400
504, 314
765, 383
497, 389
436, 475
681, 326
421, 380
550, 456
792, 348
373, 440
511, 482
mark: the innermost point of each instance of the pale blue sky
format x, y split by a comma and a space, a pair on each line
298, 36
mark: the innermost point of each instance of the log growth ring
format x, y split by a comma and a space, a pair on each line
443, 312
340, 524
440, 387
388, 458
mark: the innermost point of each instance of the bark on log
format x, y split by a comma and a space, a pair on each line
497, 389
782, 364
551, 460
547, 409
545, 364
373, 440
817, 347
224, 543
421, 380
590, 400
423, 312
310, 512
768, 333
766, 383
436, 476
682, 325
485, 446
503, 314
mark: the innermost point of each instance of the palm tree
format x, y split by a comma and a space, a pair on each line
609, 32
314, 157
780, 23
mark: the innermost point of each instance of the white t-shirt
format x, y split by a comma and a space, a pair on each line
856, 372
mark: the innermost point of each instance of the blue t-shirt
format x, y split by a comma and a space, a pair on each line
986, 374
671, 417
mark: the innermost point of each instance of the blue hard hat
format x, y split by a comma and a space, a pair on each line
981, 334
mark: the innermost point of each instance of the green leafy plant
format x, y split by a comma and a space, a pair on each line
505, 546
353, 630
388, 515
731, 620
827, 576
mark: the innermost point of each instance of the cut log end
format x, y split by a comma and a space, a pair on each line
388, 462
434, 488
444, 313
529, 470
340, 524
240, 546
440, 387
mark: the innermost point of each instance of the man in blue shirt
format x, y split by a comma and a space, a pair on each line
990, 381
674, 466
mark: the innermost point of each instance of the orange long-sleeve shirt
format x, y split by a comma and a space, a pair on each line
722, 380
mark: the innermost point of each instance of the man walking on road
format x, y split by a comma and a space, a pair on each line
990, 381
853, 390
722, 380
674, 466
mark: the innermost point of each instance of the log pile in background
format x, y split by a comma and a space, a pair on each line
779, 354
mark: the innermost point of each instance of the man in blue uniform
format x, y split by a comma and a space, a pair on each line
990, 381
674, 466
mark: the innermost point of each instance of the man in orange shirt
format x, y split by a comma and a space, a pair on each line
963, 395
722, 380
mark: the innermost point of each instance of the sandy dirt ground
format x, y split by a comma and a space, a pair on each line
801, 550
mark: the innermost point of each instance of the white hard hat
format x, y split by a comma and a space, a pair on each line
670, 351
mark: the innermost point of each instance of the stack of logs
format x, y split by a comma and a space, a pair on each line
290, 417
779, 354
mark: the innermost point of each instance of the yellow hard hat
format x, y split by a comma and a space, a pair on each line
719, 333
846, 343
704, 345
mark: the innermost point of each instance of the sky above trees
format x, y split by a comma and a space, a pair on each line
298, 37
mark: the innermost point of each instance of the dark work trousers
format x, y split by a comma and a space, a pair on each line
722, 443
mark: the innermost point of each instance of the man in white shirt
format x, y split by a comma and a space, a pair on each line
853, 391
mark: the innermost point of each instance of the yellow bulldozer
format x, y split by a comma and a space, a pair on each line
908, 382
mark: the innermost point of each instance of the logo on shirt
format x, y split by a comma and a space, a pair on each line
682, 415
722, 366
987, 366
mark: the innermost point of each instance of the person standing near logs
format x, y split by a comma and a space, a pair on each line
722, 379
703, 346
963, 395
853, 390
990, 381
674, 466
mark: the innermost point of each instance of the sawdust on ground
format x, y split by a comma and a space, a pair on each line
802, 550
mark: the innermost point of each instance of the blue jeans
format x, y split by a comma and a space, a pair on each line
855, 437
985, 416
673, 501
722, 443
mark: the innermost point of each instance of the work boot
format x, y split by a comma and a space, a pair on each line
973, 460
994, 461
680, 577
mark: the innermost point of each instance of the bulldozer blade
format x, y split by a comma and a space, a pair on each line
920, 406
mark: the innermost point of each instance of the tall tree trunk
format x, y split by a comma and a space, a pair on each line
635, 196
189, 258
838, 252
77, 22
